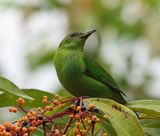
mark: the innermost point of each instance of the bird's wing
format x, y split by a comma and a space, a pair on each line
97, 72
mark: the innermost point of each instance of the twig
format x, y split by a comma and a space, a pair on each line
44, 129
68, 125
92, 130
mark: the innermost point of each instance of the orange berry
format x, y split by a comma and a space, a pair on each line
55, 102
20, 101
28, 114
56, 96
81, 113
48, 108
34, 123
77, 124
61, 105
89, 121
104, 134
39, 122
90, 106
71, 116
33, 113
14, 110
7, 124
94, 117
7, 134
13, 128
39, 109
25, 134
31, 129
57, 133
106, 116
10, 109
78, 108
75, 130
77, 116
2, 128
24, 129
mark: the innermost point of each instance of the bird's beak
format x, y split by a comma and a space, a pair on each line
87, 34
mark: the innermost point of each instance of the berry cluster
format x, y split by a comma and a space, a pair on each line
81, 120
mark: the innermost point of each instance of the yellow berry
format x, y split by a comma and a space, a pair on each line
25, 118
45, 97
97, 120
89, 121
104, 134
39, 109
83, 132
45, 101
56, 96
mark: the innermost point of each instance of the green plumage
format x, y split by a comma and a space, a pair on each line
80, 74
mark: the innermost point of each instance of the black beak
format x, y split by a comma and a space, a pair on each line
87, 34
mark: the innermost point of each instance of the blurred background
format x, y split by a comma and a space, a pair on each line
127, 41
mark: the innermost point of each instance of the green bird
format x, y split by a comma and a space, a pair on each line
80, 74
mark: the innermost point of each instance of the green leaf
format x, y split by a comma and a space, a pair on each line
151, 127
38, 96
150, 107
8, 86
8, 99
123, 120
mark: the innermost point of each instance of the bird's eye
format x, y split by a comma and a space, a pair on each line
72, 35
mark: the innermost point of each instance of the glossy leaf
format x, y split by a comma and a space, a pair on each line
151, 127
11, 88
150, 107
9, 99
123, 120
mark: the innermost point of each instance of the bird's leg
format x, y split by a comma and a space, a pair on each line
80, 100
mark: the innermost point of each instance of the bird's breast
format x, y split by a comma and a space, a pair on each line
69, 67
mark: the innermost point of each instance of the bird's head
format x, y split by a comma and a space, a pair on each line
75, 40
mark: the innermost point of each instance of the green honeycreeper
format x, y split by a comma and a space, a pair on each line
80, 74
